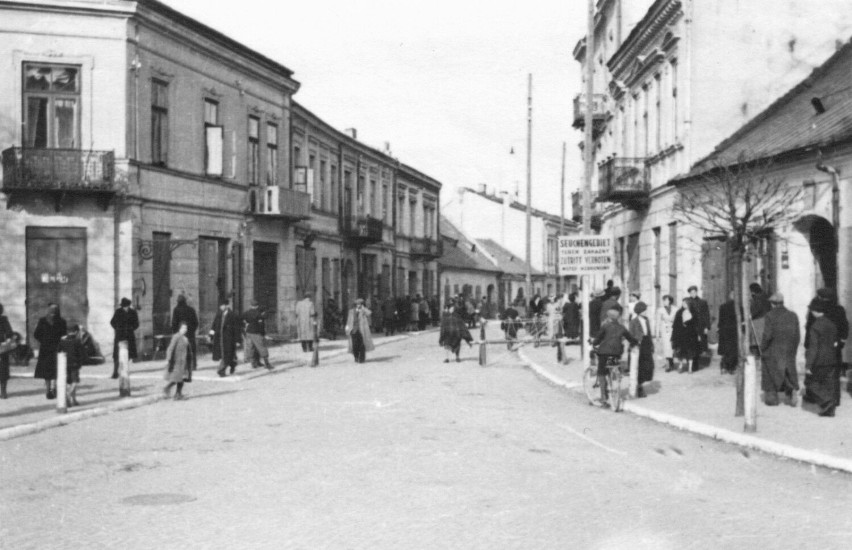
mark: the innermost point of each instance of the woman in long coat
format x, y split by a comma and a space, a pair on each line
729, 339
685, 339
49, 331
663, 324
226, 332
358, 331
640, 328
6, 337
571, 317
178, 362
453, 331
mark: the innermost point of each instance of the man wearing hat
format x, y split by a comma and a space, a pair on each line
821, 360
778, 346
255, 327
225, 334
835, 313
611, 303
640, 328
183, 313
702, 317
595, 313
124, 322
358, 330
306, 319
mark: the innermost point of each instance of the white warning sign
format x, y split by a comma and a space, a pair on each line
585, 255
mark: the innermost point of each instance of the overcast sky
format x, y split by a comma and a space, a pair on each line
445, 82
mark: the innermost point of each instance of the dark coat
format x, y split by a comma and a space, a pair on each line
389, 311
571, 319
453, 331
125, 322
595, 305
837, 315
646, 348
823, 342
610, 336
48, 336
685, 340
509, 324
255, 321
75, 354
5, 334
184, 313
728, 334
779, 345
609, 303
226, 333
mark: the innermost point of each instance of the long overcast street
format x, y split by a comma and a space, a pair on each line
403, 451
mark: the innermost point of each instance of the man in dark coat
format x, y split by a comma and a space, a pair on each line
124, 321
608, 342
225, 334
389, 315
184, 313
835, 313
595, 305
255, 343
758, 308
821, 360
729, 339
571, 317
779, 345
611, 303
701, 310
48, 332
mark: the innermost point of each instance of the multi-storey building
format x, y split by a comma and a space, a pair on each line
669, 88
146, 155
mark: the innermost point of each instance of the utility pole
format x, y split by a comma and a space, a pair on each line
560, 278
587, 161
529, 186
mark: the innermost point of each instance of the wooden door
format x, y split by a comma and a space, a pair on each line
208, 281
265, 258
161, 265
56, 273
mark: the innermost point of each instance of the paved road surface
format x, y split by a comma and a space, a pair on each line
403, 452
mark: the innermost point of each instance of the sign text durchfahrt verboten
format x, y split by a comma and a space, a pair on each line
585, 255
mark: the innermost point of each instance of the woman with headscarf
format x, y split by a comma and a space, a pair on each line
571, 317
640, 328
453, 331
685, 339
179, 359
663, 325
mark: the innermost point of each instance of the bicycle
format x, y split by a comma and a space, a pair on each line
613, 380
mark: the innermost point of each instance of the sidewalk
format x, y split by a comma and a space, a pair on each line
703, 402
27, 410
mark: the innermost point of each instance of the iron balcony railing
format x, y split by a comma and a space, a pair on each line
623, 179
600, 109
58, 169
426, 248
364, 229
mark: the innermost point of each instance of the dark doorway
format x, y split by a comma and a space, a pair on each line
56, 273
714, 280
823, 241
265, 261
162, 267
212, 278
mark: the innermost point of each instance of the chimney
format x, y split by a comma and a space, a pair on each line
387, 148
352, 132
483, 188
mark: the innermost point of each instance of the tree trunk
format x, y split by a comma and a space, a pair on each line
742, 330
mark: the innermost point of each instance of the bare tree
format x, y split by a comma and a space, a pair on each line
739, 202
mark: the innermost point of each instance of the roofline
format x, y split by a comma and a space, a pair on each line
523, 208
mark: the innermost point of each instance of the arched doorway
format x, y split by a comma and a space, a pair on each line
822, 239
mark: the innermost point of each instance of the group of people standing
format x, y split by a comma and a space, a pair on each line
407, 313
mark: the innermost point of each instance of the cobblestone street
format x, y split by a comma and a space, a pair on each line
403, 452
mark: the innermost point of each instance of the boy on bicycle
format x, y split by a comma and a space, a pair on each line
608, 344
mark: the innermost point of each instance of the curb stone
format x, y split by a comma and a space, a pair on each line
720, 434
136, 402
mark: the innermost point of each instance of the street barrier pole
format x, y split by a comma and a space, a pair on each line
123, 370
634, 371
61, 382
483, 346
315, 358
750, 390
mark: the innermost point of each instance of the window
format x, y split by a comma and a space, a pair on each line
253, 150
385, 198
635, 109
315, 190
400, 216
51, 106
323, 182
359, 195
658, 122
412, 211
334, 188
374, 197
159, 123
214, 137
645, 123
674, 102
271, 154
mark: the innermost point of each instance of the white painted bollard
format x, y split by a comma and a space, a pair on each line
634, 371
123, 370
750, 391
61, 382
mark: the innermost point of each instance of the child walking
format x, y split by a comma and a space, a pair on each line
179, 361
75, 355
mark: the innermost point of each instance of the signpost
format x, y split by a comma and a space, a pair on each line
584, 256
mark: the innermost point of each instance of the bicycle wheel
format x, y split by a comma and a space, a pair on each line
615, 397
590, 386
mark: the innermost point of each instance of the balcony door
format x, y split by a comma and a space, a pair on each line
51, 106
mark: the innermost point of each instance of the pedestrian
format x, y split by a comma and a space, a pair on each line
778, 346
685, 340
821, 361
553, 316
124, 322
536, 305
701, 310
179, 362
485, 309
425, 315
835, 313
571, 318
453, 331
255, 342
75, 356
595, 305
331, 318
608, 345
509, 325
470, 313
7, 346
632, 299
389, 315
185, 313
611, 303
663, 325
306, 318
414, 314
729, 335
358, 330
759, 306
48, 332
640, 328
225, 333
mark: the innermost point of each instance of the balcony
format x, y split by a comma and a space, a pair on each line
280, 203
625, 181
59, 173
600, 110
362, 230
577, 211
426, 249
